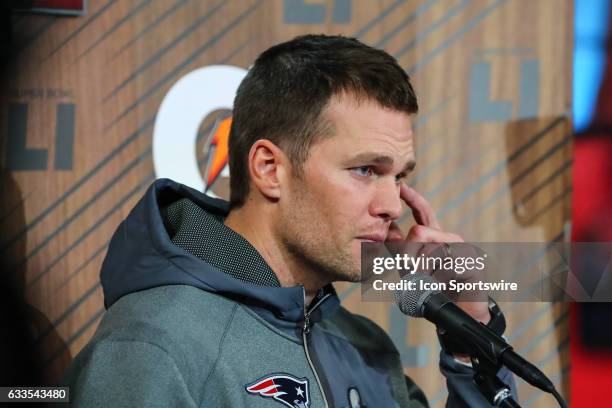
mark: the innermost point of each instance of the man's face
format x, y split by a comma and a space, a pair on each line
349, 191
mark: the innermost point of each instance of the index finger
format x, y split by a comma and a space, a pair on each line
422, 211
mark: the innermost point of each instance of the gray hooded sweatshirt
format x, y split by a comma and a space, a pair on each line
196, 318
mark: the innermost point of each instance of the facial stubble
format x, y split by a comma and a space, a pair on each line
306, 234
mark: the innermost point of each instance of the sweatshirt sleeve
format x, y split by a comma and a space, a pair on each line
126, 373
416, 396
462, 391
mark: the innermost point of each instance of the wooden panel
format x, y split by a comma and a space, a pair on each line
493, 137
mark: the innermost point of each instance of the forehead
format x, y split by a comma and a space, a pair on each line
361, 126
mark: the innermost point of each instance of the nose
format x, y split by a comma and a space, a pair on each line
387, 203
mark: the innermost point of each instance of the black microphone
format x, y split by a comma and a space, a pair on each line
482, 342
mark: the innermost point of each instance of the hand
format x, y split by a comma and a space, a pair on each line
428, 230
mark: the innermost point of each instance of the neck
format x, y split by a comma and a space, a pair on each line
257, 226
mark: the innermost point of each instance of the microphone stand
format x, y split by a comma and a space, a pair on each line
494, 390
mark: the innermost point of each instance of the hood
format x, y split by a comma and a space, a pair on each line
175, 236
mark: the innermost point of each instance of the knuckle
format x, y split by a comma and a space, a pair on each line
419, 231
456, 238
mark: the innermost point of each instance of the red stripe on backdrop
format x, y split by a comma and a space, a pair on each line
59, 4
591, 370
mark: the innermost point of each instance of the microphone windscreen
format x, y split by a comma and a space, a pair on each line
411, 301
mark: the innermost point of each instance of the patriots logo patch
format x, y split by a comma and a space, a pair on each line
284, 388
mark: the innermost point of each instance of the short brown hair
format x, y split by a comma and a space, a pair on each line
284, 93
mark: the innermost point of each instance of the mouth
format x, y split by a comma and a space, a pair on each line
373, 238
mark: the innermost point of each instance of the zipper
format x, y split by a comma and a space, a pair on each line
305, 333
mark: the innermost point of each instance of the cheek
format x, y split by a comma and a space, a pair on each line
340, 198
343, 190
347, 213
342, 202
354, 198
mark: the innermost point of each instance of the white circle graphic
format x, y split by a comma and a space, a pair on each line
187, 103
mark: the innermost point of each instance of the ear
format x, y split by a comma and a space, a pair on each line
268, 168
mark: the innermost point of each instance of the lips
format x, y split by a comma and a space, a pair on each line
373, 237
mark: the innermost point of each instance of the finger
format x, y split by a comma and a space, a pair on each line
421, 209
478, 310
422, 233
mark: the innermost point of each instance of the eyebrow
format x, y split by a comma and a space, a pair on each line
381, 159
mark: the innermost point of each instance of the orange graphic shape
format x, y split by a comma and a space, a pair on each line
220, 141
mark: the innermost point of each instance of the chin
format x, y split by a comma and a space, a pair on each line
348, 278
346, 275
353, 276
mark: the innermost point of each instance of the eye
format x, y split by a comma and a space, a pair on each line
400, 177
364, 171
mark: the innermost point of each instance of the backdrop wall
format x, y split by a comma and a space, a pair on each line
84, 132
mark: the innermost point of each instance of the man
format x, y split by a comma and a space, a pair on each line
219, 304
